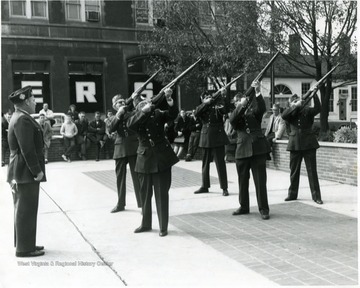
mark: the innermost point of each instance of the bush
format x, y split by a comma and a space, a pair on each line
345, 135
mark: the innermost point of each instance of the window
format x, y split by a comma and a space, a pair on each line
282, 90
149, 12
354, 98
305, 87
83, 10
29, 8
142, 12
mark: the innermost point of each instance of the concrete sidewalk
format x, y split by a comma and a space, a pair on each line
302, 244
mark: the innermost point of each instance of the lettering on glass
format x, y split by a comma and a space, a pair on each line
85, 90
37, 89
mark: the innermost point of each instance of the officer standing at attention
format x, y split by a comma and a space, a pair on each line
155, 157
26, 171
213, 140
125, 147
251, 150
302, 144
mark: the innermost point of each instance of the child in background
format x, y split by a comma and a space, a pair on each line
68, 131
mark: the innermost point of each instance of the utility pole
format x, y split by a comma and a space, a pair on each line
272, 70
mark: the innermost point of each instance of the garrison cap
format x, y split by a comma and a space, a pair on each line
276, 106
117, 98
20, 95
137, 100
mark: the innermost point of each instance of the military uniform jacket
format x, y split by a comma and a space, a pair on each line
26, 149
154, 153
126, 141
250, 139
212, 131
300, 121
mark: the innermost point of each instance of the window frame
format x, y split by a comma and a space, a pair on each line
82, 11
28, 9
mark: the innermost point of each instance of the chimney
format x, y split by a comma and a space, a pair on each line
294, 44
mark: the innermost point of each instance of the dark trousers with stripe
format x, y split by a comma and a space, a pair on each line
257, 165
26, 203
159, 183
295, 167
120, 171
218, 154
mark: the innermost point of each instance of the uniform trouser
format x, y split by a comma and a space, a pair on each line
193, 143
295, 167
161, 182
218, 154
257, 164
26, 202
120, 171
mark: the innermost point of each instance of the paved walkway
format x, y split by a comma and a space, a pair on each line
86, 246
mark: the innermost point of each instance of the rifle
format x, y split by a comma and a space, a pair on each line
249, 91
310, 94
142, 87
261, 74
216, 95
156, 99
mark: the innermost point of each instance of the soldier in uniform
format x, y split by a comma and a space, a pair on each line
302, 144
26, 171
155, 157
252, 148
213, 140
125, 147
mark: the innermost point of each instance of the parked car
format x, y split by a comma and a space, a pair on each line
59, 120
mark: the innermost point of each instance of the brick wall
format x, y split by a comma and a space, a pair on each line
335, 161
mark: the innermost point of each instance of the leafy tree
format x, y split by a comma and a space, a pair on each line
324, 29
224, 33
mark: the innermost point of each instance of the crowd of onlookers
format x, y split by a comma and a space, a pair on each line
79, 133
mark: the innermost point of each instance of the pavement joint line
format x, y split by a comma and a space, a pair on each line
86, 240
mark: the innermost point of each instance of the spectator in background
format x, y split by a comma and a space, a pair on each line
5, 120
47, 133
275, 128
96, 133
169, 128
110, 136
73, 113
49, 114
182, 128
68, 131
195, 128
81, 138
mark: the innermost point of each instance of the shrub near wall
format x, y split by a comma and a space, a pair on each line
335, 161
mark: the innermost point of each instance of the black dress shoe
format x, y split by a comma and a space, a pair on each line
117, 209
35, 253
38, 248
225, 192
319, 202
289, 198
142, 229
163, 233
240, 211
201, 190
265, 215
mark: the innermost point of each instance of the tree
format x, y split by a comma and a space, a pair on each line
324, 30
224, 33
